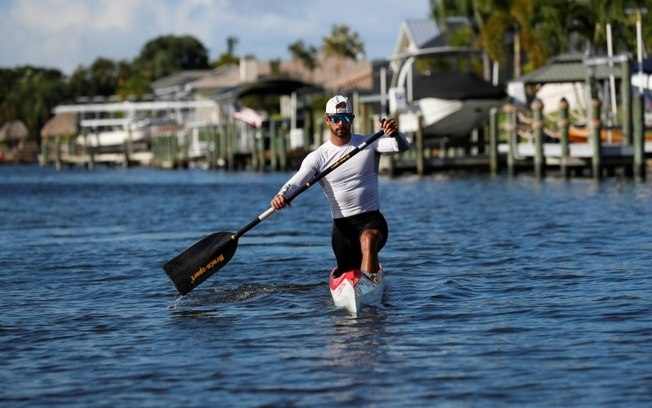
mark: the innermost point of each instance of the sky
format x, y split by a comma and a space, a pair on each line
65, 34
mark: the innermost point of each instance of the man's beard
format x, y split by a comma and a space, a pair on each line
342, 132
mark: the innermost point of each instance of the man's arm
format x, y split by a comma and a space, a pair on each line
309, 167
397, 144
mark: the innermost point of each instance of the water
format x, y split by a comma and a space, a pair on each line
500, 292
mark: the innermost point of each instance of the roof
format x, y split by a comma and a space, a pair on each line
568, 68
178, 80
363, 79
422, 32
331, 72
14, 130
61, 124
417, 34
274, 86
224, 76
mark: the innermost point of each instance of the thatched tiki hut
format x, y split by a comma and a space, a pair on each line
58, 136
16, 143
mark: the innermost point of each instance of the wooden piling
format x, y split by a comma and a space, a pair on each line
639, 165
222, 146
57, 152
512, 136
211, 152
493, 140
261, 151
127, 150
273, 162
283, 147
162, 150
173, 153
254, 150
594, 139
44, 152
308, 129
89, 152
227, 145
563, 125
537, 127
420, 154
626, 101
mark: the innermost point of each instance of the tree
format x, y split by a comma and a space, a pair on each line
540, 28
32, 95
104, 77
495, 20
166, 55
275, 66
341, 42
560, 22
306, 54
623, 26
134, 84
229, 56
515, 17
440, 10
475, 13
8, 79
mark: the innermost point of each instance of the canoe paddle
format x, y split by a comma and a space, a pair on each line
197, 263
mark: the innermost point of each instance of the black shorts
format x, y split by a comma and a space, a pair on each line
346, 237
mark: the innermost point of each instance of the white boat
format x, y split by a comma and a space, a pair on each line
353, 289
111, 132
451, 104
445, 117
432, 82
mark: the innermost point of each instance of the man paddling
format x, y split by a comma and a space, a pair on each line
359, 229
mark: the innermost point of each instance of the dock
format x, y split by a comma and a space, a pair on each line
525, 141
617, 159
515, 140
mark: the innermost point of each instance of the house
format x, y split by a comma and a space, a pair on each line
334, 74
174, 86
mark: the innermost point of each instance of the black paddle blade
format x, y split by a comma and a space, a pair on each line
197, 263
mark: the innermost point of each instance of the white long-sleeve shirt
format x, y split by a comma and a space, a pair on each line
351, 188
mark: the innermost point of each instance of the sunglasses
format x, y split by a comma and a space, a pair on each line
341, 117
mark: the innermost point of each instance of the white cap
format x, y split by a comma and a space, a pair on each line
334, 105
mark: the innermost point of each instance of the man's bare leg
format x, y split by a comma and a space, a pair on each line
369, 240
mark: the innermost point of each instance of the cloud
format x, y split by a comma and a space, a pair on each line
67, 33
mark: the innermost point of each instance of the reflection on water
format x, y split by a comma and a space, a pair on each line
356, 341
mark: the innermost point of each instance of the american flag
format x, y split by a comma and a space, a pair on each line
248, 116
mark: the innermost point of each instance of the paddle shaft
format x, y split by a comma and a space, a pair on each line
312, 181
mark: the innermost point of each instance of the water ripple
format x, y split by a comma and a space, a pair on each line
500, 292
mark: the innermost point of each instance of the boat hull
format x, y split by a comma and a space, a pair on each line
354, 289
455, 118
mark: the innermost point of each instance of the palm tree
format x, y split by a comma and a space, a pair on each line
476, 13
561, 22
544, 27
493, 21
306, 54
515, 18
343, 43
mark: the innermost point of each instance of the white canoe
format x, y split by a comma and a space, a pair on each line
353, 289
